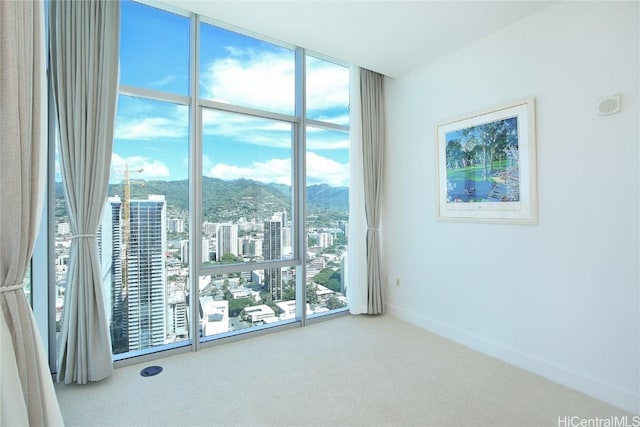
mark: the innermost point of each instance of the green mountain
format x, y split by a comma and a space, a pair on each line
323, 196
230, 200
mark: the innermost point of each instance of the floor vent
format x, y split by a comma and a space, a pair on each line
150, 371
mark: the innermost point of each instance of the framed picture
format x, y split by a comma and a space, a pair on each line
487, 165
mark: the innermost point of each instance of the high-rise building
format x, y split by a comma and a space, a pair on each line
287, 242
184, 250
344, 271
249, 247
209, 228
177, 325
280, 216
146, 277
205, 249
325, 239
272, 249
227, 237
64, 228
175, 225
110, 250
344, 226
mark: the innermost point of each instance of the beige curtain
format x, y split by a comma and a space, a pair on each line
85, 37
372, 111
356, 278
26, 389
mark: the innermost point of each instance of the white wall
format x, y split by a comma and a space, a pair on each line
560, 298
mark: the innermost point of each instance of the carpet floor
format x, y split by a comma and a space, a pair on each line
348, 371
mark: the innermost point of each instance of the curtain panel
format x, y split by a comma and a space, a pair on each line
85, 40
357, 258
372, 110
27, 396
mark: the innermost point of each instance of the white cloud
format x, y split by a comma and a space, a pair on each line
151, 169
319, 170
153, 126
268, 133
323, 170
266, 80
327, 85
320, 145
320, 139
272, 171
248, 130
163, 82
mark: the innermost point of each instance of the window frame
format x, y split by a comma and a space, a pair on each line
43, 275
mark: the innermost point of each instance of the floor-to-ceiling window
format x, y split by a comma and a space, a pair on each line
227, 208
327, 179
145, 219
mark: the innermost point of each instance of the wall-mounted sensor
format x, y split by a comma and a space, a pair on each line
609, 105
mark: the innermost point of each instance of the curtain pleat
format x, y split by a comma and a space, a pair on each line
27, 396
371, 95
84, 68
357, 258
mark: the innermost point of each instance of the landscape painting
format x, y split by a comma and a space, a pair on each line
485, 165
482, 163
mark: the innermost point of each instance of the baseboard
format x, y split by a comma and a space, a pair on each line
608, 393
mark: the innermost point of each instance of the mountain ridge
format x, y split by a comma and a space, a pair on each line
230, 200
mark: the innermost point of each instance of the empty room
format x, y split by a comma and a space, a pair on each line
320, 213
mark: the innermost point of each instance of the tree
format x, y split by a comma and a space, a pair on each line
340, 240
454, 154
288, 290
323, 276
334, 285
330, 278
237, 305
289, 294
229, 258
489, 141
265, 297
334, 303
312, 296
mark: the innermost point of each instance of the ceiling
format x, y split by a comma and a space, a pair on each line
390, 37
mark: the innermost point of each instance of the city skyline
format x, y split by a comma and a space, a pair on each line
145, 239
145, 274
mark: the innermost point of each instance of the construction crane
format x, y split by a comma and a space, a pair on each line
126, 227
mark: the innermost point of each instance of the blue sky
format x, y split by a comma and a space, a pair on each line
153, 135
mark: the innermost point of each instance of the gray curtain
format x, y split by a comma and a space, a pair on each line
27, 396
371, 98
85, 37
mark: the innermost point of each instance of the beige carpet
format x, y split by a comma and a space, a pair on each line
349, 371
